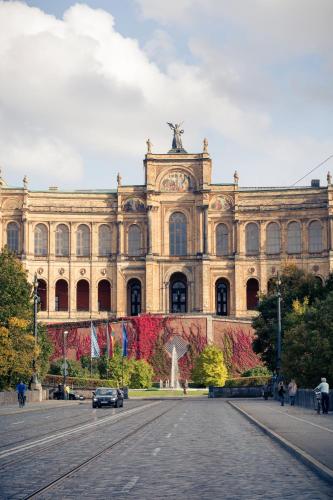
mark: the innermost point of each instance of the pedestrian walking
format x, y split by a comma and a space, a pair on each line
281, 391
324, 388
292, 390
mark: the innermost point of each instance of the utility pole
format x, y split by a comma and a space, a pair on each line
36, 300
65, 333
278, 347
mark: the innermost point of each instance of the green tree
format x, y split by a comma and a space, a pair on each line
295, 285
210, 368
17, 351
141, 375
15, 290
308, 342
16, 323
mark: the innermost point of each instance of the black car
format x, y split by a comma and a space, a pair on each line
106, 396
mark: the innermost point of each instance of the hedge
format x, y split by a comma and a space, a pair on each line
247, 381
79, 382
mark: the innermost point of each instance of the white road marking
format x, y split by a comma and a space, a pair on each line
303, 420
168, 435
157, 450
48, 439
175, 425
130, 484
180, 418
20, 422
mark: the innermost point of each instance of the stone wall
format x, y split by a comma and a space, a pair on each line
10, 397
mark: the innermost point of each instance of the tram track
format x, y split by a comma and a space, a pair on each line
38, 425
94, 457
46, 443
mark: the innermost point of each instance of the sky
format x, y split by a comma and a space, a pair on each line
83, 85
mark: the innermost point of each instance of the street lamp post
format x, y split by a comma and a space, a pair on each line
36, 300
278, 347
65, 333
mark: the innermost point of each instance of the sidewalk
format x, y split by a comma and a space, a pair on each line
38, 406
300, 430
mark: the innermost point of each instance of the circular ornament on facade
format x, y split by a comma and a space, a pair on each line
61, 271
82, 271
315, 268
103, 272
40, 270
251, 270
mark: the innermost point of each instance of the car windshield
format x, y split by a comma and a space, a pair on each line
106, 392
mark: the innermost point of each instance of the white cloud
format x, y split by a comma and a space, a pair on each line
76, 88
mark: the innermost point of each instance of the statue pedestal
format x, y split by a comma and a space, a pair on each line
36, 389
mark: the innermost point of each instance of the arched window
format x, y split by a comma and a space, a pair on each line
83, 241
134, 297
82, 295
134, 240
178, 234
104, 240
42, 294
252, 291
178, 293
41, 240
252, 239
13, 237
294, 237
222, 297
222, 236
61, 295
273, 244
62, 241
315, 237
104, 295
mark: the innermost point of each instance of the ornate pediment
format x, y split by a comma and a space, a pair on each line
221, 203
176, 182
133, 205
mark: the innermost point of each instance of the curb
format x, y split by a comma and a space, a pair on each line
319, 468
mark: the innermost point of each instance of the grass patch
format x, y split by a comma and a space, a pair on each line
157, 393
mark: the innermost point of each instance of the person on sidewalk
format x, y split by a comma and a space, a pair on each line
281, 392
324, 388
292, 390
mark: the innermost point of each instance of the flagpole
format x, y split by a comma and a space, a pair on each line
122, 372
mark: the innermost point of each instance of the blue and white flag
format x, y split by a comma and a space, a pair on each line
125, 339
94, 347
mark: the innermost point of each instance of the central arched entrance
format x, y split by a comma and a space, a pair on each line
178, 293
134, 297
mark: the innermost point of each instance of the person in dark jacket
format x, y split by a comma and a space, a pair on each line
281, 391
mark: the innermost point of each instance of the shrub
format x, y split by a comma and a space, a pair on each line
257, 371
141, 375
210, 368
247, 381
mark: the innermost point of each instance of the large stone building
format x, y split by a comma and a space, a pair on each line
177, 243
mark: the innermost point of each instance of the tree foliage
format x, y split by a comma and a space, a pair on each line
295, 285
307, 327
17, 343
210, 368
15, 290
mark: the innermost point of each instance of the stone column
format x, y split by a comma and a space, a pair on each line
25, 239
205, 230
150, 230
330, 232
120, 237
235, 239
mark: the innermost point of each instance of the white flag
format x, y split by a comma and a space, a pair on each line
94, 347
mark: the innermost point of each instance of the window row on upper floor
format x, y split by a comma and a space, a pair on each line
178, 238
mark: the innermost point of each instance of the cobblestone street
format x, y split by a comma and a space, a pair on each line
169, 449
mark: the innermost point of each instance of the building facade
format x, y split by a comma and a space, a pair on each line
177, 244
